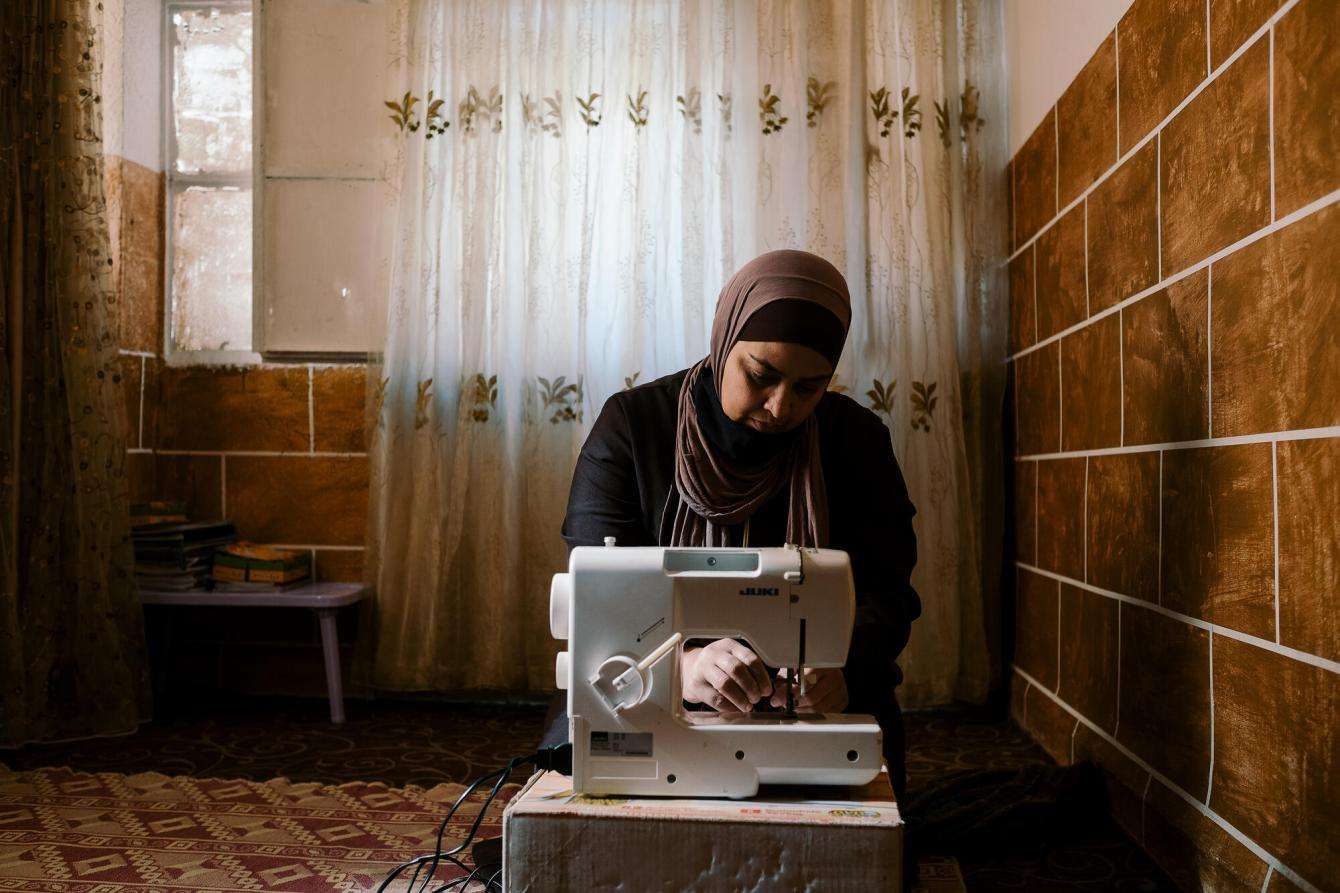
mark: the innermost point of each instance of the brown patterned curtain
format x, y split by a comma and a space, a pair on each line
72, 655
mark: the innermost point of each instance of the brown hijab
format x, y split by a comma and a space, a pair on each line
713, 490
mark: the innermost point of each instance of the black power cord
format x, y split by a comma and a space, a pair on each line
557, 757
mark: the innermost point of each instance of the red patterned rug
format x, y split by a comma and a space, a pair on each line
62, 830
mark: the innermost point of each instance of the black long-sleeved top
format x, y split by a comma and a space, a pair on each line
626, 473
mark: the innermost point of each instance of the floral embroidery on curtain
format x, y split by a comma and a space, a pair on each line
571, 254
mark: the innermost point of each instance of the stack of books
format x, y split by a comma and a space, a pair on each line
247, 567
178, 555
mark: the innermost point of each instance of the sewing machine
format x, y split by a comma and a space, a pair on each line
626, 613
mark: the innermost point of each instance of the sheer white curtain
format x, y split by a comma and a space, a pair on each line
574, 182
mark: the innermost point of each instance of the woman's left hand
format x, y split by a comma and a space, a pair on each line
825, 691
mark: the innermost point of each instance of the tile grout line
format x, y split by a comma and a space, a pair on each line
1060, 403
1088, 305
1073, 733
1121, 373
1116, 63
1056, 181
1308, 210
1257, 850
1275, 513
1116, 725
144, 371
1144, 803
1208, 65
137, 353
1229, 440
1158, 592
1304, 657
1265, 884
311, 413
1158, 198
1085, 520
1186, 100
1209, 349
1270, 104
1058, 635
1209, 784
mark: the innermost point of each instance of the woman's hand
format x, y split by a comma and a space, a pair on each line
725, 676
825, 691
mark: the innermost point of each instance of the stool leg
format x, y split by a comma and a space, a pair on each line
330, 646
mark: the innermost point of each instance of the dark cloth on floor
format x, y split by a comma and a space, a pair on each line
624, 486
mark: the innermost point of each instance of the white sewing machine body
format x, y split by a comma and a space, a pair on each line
626, 613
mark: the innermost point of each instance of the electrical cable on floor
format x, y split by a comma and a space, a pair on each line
557, 757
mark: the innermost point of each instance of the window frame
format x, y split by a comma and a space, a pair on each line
175, 182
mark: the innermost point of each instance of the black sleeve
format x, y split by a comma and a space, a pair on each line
883, 551
604, 499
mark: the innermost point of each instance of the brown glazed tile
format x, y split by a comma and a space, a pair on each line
1089, 655
1023, 312
1232, 22
1307, 78
1165, 363
1161, 57
1050, 725
1061, 517
1124, 231
140, 264
1035, 180
1215, 170
194, 480
1195, 852
1164, 715
1060, 269
1123, 523
1038, 393
234, 408
1309, 544
338, 401
1018, 691
1124, 779
1086, 120
140, 476
1026, 511
1035, 627
128, 377
299, 500
1276, 309
153, 399
1091, 386
340, 565
1277, 755
1218, 536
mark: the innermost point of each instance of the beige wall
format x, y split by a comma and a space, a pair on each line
1047, 42
1174, 309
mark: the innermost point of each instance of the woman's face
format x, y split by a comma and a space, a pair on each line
773, 386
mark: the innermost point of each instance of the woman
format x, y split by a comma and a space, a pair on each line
748, 447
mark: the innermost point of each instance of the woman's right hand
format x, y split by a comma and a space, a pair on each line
725, 676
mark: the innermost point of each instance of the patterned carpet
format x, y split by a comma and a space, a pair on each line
411, 743
80, 832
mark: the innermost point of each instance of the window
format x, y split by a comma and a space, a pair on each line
277, 218
208, 159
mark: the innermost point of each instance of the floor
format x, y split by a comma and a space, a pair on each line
404, 743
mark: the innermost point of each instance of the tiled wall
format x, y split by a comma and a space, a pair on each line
1175, 318
278, 450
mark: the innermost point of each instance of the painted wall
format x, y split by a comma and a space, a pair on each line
1174, 309
1047, 42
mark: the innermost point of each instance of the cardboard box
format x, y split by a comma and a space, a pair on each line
786, 838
